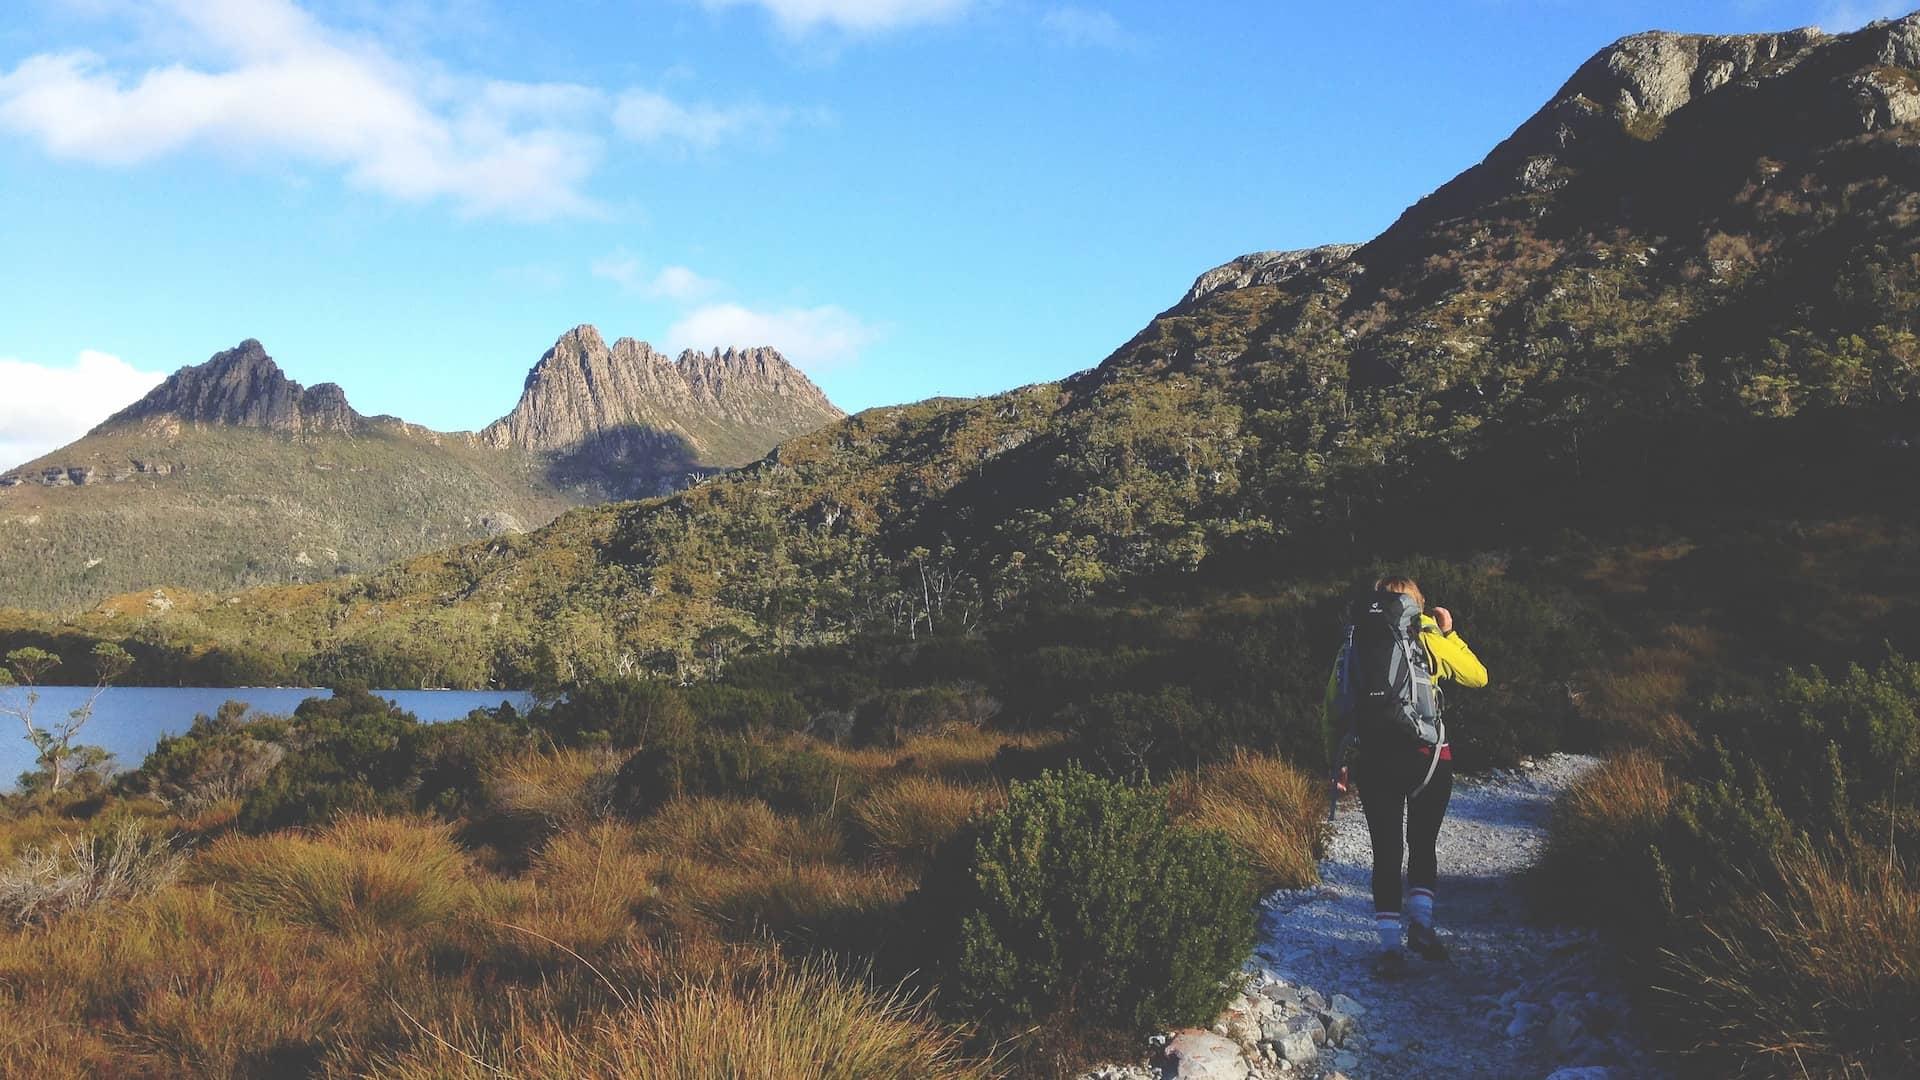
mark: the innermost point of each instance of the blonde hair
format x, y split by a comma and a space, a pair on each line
1405, 585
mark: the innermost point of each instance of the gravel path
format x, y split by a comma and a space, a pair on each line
1515, 999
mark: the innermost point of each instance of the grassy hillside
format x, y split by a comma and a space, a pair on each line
249, 506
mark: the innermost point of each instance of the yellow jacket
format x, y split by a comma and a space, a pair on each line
1449, 655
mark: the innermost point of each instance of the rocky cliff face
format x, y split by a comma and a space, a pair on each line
242, 387
1626, 95
1271, 268
583, 391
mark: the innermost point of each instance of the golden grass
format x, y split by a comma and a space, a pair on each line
43, 883
1637, 702
557, 788
798, 1022
359, 873
1596, 863
907, 821
957, 753
1820, 978
1268, 807
736, 832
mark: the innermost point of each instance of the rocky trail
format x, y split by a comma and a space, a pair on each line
1516, 997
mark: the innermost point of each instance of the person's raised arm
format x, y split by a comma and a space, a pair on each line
1451, 656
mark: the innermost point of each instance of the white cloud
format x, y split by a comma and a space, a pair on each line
287, 86
676, 283
815, 338
682, 284
45, 408
1088, 27
857, 16
648, 117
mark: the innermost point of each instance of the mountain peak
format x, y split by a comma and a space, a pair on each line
242, 387
582, 390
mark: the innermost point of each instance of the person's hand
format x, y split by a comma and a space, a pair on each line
1444, 618
1341, 785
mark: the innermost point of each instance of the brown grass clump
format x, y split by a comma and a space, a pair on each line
180, 983
799, 1022
907, 821
1637, 702
42, 883
1597, 863
588, 889
1820, 978
1268, 807
359, 873
736, 832
558, 788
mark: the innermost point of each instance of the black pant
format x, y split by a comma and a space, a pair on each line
1385, 781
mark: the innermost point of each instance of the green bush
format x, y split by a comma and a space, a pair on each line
1082, 898
625, 713
796, 780
893, 716
351, 752
226, 755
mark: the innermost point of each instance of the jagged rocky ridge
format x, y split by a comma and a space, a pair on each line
230, 473
583, 390
243, 387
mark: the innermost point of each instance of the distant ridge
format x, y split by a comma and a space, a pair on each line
230, 474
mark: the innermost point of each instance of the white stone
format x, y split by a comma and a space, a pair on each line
1202, 1055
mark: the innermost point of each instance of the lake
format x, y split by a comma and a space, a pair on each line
129, 720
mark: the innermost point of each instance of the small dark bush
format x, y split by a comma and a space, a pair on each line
351, 752
796, 780
752, 711
893, 716
626, 714
222, 756
1082, 898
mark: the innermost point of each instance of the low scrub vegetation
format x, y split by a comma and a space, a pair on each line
1757, 874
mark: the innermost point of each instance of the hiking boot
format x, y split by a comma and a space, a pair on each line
1390, 964
1423, 941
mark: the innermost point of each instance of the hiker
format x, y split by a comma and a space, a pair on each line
1383, 697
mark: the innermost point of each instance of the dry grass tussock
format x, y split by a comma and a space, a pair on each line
1637, 702
42, 883
358, 873
957, 753
1821, 978
797, 1022
907, 821
1270, 808
1595, 864
736, 832
557, 788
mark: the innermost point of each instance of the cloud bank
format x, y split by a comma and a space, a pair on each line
814, 338
45, 408
856, 16
280, 86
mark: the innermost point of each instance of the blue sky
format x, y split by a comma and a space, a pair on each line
909, 197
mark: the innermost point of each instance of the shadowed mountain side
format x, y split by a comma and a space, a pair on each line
634, 458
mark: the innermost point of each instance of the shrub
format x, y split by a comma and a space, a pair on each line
43, 883
894, 716
626, 713
1084, 897
221, 757
353, 752
1269, 808
788, 778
